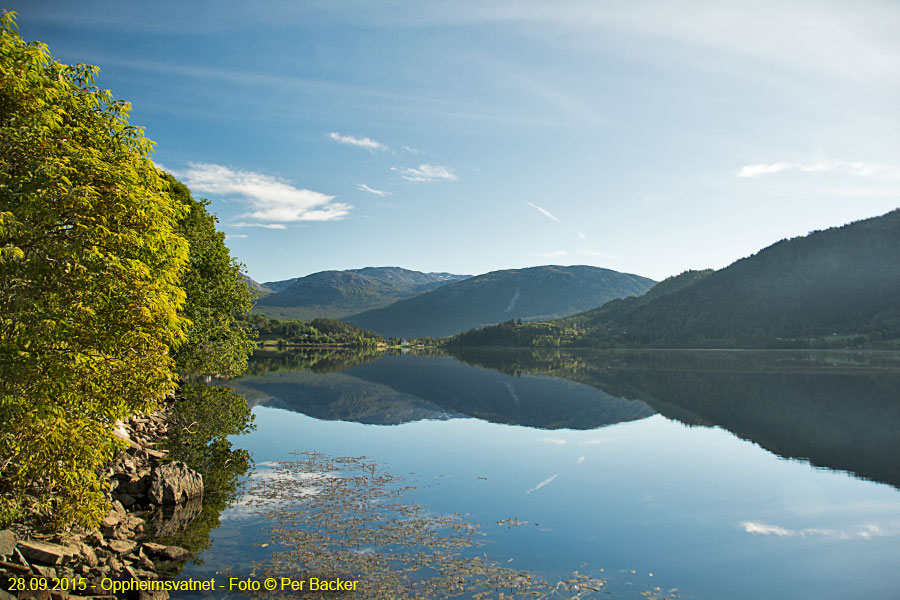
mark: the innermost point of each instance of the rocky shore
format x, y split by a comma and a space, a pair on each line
152, 498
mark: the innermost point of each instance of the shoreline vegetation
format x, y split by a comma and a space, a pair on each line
116, 288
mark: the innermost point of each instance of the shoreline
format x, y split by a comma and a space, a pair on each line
150, 496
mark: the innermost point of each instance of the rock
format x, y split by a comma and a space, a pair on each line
154, 548
4, 595
145, 563
46, 572
175, 553
7, 542
34, 595
174, 483
114, 564
157, 595
115, 514
122, 546
167, 552
155, 453
45, 552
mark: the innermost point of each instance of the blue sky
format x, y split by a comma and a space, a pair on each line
645, 137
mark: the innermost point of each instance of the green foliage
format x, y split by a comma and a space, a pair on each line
312, 333
90, 266
200, 426
217, 295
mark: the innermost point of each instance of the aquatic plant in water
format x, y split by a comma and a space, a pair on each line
346, 518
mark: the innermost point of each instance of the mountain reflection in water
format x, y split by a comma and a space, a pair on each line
837, 410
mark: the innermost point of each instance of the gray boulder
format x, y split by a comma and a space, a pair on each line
174, 483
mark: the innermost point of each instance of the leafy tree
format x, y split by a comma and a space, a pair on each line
217, 296
90, 267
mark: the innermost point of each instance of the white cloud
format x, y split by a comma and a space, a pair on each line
555, 441
367, 143
857, 168
552, 254
272, 200
763, 529
242, 224
547, 481
543, 211
580, 460
866, 531
426, 172
365, 188
581, 235
235, 235
763, 169
411, 150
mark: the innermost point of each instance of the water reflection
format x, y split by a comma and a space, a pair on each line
837, 410
198, 434
400, 389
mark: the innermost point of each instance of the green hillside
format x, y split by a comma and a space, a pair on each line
528, 294
840, 286
339, 293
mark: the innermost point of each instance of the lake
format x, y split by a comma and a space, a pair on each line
705, 475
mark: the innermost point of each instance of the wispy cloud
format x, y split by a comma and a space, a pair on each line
543, 211
581, 235
551, 254
545, 482
858, 168
552, 440
866, 531
367, 143
272, 201
242, 224
365, 188
426, 172
235, 235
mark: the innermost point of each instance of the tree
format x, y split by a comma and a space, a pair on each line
217, 295
90, 267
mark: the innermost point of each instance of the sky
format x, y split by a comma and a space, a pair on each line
645, 137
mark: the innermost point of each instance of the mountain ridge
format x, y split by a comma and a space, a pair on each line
529, 293
335, 294
839, 282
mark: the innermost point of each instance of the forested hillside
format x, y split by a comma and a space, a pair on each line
840, 287
533, 293
337, 294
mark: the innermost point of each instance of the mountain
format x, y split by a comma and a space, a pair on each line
260, 289
840, 286
339, 293
528, 294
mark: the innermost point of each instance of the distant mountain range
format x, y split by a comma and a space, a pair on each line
840, 286
398, 302
527, 294
336, 294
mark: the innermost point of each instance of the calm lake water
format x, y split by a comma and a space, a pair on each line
715, 474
